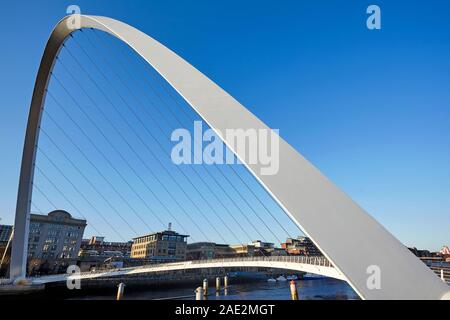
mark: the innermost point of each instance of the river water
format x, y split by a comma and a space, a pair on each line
325, 288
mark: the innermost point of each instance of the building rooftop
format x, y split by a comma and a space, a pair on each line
57, 216
165, 232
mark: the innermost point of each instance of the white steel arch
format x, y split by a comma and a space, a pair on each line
350, 238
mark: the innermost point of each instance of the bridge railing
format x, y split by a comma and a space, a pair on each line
5, 281
312, 260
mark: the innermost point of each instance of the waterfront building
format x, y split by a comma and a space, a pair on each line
5, 250
267, 249
262, 245
55, 236
223, 251
162, 246
94, 240
97, 246
445, 253
421, 253
5, 232
209, 250
301, 246
244, 250
277, 252
200, 250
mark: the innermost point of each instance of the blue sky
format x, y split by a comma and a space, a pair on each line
369, 108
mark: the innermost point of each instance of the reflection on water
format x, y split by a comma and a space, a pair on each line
325, 288
307, 289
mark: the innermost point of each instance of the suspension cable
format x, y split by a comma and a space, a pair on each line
87, 180
78, 211
93, 165
79, 192
198, 175
142, 141
111, 145
162, 131
217, 183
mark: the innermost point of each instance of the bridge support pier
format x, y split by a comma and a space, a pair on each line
120, 289
199, 293
217, 284
205, 287
293, 287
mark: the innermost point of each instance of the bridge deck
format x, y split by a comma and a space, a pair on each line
316, 265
